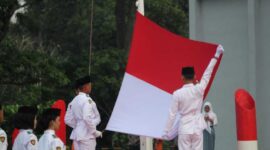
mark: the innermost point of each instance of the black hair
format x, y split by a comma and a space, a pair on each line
188, 73
25, 117
46, 117
80, 82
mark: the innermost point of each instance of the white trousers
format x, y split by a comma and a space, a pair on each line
85, 145
190, 141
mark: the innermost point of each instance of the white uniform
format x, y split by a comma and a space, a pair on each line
82, 115
26, 140
3, 140
187, 101
49, 141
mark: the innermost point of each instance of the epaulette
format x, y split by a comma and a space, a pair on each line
90, 101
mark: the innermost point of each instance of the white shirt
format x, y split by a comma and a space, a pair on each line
187, 101
3, 140
49, 141
26, 140
82, 115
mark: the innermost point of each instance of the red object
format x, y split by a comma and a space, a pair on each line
14, 135
159, 145
61, 133
245, 116
163, 69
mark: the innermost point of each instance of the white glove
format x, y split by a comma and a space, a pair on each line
98, 134
219, 51
165, 136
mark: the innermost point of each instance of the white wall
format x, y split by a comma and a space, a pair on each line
241, 26
263, 74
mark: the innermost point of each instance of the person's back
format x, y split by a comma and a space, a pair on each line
190, 99
25, 121
187, 101
25, 140
82, 130
48, 124
50, 141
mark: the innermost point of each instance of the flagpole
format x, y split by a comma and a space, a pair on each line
146, 143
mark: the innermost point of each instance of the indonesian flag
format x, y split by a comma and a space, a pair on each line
153, 73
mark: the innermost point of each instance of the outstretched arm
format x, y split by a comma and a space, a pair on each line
208, 72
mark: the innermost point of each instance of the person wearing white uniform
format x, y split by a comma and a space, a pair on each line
25, 121
3, 135
209, 133
49, 123
82, 115
187, 102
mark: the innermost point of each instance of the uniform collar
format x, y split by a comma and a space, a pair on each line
81, 93
27, 130
50, 131
188, 85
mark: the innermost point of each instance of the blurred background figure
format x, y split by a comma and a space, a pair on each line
25, 121
3, 135
209, 133
48, 124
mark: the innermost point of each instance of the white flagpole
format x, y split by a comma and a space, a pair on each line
140, 6
146, 143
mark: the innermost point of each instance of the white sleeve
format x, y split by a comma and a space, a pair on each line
32, 144
97, 119
69, 117
206, 76
89, 117
172, 113
57, 144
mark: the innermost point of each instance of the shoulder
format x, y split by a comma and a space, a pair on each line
57, 143
178, 92
30, 135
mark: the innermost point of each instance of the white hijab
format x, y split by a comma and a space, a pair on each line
211, 115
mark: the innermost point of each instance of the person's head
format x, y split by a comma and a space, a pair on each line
188, 74
49, 119
207, 107
84, 84
26, 118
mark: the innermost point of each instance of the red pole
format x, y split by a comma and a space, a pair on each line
245, 120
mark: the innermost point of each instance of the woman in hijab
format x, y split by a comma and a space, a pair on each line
211, 121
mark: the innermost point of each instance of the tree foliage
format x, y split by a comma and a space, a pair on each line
47, 48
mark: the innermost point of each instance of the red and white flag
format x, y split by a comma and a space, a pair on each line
153, 72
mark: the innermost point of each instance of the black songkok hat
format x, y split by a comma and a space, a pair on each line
188, 72
81, 81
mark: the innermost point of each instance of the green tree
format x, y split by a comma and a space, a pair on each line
43, 53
